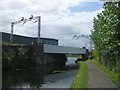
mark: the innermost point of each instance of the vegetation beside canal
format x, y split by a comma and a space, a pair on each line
105, 36
81, 79
17, 56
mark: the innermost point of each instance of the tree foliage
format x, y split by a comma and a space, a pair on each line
17, 57
106, 34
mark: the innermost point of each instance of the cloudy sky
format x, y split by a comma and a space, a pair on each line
60, 19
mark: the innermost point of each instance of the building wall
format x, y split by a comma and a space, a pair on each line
27, 40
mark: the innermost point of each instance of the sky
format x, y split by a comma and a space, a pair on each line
60, 19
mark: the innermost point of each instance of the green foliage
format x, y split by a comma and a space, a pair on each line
17, 57
7, 58
4, 43
106, 33
95, 55
81, 79
21, 59
22, 53
9, 55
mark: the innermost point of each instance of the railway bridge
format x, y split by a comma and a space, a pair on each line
63, 50
54, 57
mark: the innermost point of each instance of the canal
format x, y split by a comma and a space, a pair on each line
34, 78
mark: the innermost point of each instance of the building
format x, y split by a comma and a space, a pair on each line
27, 40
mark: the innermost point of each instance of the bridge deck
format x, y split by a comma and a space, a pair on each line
63, 49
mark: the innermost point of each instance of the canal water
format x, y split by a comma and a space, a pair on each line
34, 77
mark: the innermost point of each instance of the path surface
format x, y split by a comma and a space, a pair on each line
97, 79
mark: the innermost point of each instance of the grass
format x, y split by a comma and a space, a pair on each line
81, 79
111, 74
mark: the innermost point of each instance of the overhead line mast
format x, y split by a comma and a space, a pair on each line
23, 21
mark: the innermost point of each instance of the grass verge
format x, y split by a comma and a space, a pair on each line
81, 79
111, 74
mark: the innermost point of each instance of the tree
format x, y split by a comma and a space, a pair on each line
106, 34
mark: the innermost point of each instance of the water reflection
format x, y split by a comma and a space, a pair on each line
24, 78
32, 77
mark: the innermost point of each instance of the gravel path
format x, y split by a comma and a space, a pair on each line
97, 79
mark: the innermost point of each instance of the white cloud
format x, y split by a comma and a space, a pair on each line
57, 21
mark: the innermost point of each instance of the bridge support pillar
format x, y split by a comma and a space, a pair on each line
38, 51
85, 56
55, 62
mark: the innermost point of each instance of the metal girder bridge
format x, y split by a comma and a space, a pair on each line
63, 50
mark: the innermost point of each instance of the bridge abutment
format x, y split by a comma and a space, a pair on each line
54, 62
49, 62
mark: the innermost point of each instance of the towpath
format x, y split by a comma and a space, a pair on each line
97, 78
